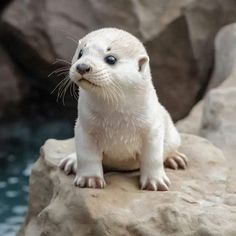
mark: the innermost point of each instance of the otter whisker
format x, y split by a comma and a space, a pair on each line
58, 85
120, 92
62, 90
61, 60
97, 72
61, 69
73, 40
71, 89
62, 84
62, 73
64, 93
115, 94
75, 91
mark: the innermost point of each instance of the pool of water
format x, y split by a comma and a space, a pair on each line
20, 142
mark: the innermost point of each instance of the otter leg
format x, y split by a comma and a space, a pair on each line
89, 173
153, 176
173, 158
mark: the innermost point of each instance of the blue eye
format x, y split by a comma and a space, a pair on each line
80, 54
111, 60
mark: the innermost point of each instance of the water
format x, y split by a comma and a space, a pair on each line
20, 141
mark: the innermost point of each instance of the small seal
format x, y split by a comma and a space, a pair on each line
121, 123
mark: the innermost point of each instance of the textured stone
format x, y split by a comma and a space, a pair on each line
205, 18
225, 55
219, 117
224, 76
3, 4
174, 69
10, 90
198, 203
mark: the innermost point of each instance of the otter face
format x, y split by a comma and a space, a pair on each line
110, 61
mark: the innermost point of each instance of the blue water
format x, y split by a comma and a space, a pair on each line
20, 143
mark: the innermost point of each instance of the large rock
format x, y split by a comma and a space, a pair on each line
214, 117
205, 18
225, 55
201, 200
47, 26
219, 116
174, 69
11, 80
3, 4
225, 75
43, 31
178, 36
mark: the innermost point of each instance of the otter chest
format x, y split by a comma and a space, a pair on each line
118, 135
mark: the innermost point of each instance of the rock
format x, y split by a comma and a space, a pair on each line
205, 18
214, 117
48, 25
225, 55
173, 65
3, 4
219, 116
224, 73
44, 31
10, 89
180, 52
199, 201
178, 35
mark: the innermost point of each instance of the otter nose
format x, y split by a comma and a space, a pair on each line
83, 68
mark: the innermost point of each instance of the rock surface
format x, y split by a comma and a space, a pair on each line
201, 200
225, 55
215, 116
178, 35
10, 89
3, 4
219, 117
45, 32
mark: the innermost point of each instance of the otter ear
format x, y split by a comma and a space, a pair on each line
142, 62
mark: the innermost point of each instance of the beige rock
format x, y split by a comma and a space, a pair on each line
225, 55
214, 117
201, 200
219, 117
225, 75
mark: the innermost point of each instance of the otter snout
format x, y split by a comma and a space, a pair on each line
83, 68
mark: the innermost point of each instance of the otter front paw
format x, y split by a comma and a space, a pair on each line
176, 160
156, 182
89, 182
69, 164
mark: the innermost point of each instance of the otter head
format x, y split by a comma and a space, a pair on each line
110, 61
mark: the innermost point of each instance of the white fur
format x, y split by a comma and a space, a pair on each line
121, 117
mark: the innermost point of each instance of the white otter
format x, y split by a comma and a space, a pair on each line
120, 123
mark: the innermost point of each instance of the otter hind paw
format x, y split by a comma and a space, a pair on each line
69, 164
176, 160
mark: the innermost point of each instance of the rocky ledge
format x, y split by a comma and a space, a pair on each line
201, 200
